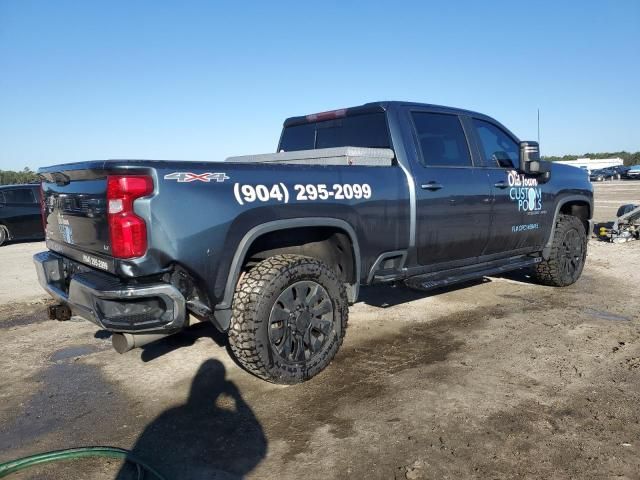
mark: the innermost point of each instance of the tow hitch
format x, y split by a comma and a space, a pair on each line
60, 312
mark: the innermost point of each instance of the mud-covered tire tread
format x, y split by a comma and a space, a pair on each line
548, 271
245, 323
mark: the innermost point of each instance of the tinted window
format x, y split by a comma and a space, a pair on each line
368, 130
19, 195
298, 137
441, 139
498, 147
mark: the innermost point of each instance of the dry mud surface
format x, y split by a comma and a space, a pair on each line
500, 378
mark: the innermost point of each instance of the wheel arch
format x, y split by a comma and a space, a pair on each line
575, 205
222, 310
6, 229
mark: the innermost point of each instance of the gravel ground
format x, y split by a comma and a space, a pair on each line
499, 378
19, 282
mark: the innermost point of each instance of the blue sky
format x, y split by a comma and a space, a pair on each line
203, 80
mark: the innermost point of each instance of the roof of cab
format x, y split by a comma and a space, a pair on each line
372, 107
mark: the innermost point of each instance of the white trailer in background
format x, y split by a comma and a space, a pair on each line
590, 164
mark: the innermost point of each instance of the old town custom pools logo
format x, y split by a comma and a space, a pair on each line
525, 192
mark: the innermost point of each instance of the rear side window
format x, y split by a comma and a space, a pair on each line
369, 130
442, 140
19, 195
499, 149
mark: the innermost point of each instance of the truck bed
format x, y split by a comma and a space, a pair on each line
373, 157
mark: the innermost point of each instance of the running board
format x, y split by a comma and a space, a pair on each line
430, 281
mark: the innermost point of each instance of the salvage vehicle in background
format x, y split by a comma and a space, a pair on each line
633, 173
621, 170
20, 213
603, 174
626, 227
273, 248
611, 173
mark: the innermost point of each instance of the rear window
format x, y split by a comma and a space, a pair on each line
368, 130
18, 195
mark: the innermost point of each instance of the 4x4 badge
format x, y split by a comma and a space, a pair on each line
186, 177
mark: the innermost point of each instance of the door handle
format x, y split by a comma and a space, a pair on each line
501, 184
432, 186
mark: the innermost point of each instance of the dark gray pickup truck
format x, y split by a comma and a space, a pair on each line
273, 248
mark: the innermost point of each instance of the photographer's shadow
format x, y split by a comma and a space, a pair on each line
214, 435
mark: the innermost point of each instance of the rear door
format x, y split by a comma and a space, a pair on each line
453, 195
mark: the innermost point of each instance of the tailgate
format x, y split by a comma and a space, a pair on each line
75, 208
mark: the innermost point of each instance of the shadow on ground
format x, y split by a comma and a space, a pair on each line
184, 338
214, 435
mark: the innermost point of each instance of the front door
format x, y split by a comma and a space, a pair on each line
453, 196
520, 217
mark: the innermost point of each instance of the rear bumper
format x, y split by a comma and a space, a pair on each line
107, 301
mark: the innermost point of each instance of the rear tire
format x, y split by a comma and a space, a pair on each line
4, 235
289, 318
568, 254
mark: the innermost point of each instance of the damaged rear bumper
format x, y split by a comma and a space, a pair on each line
109, 302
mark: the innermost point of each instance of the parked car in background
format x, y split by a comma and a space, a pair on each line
20, 213
611, 173
603, 174
633, 172
621, 170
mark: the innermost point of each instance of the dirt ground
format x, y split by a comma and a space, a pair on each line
500, 378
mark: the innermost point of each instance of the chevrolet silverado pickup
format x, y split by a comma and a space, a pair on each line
273, 248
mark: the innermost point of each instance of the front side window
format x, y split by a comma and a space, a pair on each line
442, 140
19, 195
499, 149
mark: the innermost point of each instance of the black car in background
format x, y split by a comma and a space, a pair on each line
20, 213
603, 174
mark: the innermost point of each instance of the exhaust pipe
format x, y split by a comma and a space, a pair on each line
123, 342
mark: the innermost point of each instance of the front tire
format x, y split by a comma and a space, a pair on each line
289, 318
568, 254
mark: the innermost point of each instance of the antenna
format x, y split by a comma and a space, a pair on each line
538, 126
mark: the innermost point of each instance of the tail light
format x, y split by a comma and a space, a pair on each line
128, 231
43, 208
330, 115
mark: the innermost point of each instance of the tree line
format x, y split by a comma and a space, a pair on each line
9, 177
628, 157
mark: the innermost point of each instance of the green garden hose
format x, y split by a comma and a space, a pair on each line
72, 453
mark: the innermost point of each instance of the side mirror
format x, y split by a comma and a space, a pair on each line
530, 162
529, 157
